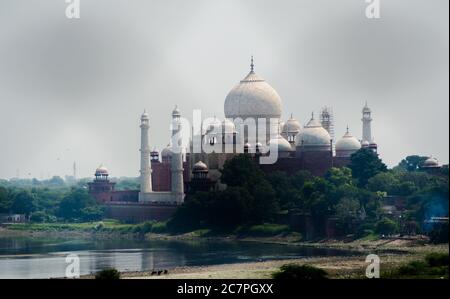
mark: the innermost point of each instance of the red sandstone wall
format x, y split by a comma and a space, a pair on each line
318, 163
136, 213
161, 176
114, 196
341, 162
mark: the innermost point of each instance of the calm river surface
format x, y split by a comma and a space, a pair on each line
27, 257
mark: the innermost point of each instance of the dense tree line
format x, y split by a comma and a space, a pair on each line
353, 196
48, 201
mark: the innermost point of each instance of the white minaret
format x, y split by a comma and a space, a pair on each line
367, 120
177, 158
146, 170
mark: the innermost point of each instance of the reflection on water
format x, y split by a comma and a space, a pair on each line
26, 257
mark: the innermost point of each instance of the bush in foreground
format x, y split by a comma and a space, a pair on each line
435, 265
299, 272
108, 274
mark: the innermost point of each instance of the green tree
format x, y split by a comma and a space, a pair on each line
383, 182
339, 176
73, 206
411, 163
285, 190
241, 171
347, 212
23, 203
5, 200
365, 164
386, 227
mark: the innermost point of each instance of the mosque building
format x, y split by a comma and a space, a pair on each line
166, 176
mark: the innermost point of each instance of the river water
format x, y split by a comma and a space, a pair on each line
31, 257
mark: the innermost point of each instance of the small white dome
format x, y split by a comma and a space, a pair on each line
200, 167
101, 170
365, 143
347, 145
166, 152
313, 134
253, 97
282, 144
431, 162
292, 126
212, 125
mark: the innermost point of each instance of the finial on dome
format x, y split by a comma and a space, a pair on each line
252, 65
347, 129
312, 115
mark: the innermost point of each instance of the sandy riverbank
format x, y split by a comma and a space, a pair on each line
392, 253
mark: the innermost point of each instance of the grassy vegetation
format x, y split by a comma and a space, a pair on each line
106, 226
114, 226
261, 230
264, 230
434, 266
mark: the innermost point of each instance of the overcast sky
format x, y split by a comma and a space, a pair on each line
73, 90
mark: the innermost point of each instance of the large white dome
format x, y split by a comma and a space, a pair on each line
313, 135
253, 97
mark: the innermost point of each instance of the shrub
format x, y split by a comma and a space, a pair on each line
108, 274
303, 272
386, 227
435, 265
39, 216
437, 259
413, 268
159, 227
365, 229
266, 229
99, 226
146, 227
439, 234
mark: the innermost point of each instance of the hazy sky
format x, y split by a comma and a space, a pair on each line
73, 90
